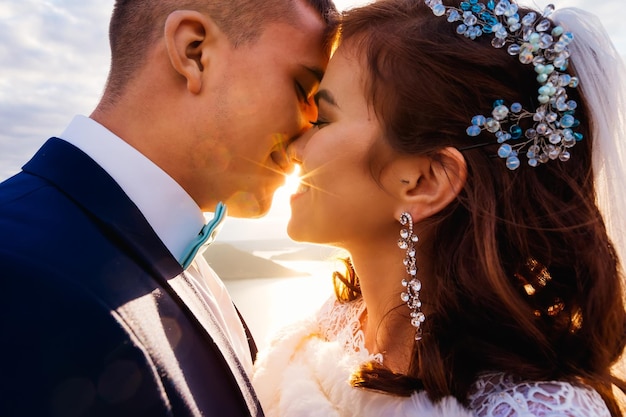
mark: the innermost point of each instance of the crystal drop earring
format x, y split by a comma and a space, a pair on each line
412, 285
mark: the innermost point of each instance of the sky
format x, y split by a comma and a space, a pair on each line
54, 59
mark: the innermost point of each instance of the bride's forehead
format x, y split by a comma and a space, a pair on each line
347, 65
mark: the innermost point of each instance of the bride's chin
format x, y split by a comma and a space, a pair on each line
292, 231
297, 228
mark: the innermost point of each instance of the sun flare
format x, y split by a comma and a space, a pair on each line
292, 181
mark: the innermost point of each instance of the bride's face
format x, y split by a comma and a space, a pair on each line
340, 201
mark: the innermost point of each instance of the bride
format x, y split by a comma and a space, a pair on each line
467, 156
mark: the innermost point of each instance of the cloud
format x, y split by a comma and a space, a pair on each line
54, 59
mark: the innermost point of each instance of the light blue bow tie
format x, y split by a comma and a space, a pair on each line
205, 237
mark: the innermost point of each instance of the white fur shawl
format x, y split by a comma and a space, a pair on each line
305, 373
302, 374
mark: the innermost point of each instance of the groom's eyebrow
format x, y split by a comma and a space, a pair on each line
326, 96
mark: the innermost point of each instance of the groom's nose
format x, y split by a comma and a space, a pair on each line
295, 148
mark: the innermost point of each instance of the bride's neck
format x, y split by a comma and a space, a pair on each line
386, 324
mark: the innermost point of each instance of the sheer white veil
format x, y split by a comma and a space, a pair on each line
602, 76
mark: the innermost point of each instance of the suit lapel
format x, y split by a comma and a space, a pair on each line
188, 292
93, 189
251, 343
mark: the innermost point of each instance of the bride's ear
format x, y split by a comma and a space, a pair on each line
425, 184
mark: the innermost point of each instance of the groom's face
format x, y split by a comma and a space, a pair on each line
262, 102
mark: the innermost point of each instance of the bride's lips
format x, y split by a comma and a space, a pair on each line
303, 188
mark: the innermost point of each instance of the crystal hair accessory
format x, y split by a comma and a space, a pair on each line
411, 296
534, 42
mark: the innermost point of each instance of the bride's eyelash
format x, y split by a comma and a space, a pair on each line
318, 123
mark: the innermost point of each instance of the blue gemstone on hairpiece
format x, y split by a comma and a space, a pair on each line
478, 120
511, 11
473, 130
465, 6
502, 136
529, 18
567, 37
512, 163
578, 136
439, 10
498, 103
491, 4
557, 31
453, 16
504, 150
501, 7
516, 131
567, 120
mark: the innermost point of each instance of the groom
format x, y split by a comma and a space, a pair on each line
105, 309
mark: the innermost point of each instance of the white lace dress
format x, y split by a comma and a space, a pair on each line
306, 368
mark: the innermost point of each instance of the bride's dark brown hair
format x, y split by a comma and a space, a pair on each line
526, 279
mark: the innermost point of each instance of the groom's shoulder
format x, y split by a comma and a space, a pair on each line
31, 205
42, 223
19, 188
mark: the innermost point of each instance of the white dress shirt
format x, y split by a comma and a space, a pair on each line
172, 213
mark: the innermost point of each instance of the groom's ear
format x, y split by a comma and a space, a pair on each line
424, 185
192, 40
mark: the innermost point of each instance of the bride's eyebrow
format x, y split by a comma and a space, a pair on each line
326, 96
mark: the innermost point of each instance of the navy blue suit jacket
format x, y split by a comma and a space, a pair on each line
91, 323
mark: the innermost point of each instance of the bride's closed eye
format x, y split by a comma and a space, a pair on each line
319, 123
